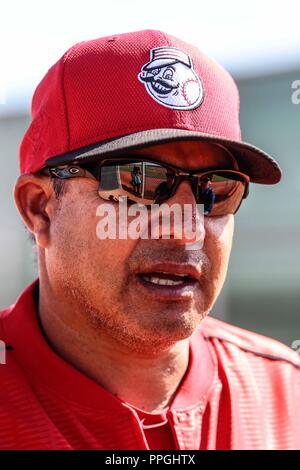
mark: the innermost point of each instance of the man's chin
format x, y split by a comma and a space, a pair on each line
158, 335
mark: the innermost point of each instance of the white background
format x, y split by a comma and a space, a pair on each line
248, 38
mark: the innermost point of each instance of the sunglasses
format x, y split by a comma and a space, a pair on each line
144, 180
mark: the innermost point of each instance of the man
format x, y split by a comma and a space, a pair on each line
163, 190
207, 196
136, 179
112, 347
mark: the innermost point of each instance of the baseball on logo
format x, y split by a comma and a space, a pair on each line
190, 91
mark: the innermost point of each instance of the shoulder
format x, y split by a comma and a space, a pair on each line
259, 378
246, 342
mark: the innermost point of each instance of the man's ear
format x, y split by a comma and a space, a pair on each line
32, 195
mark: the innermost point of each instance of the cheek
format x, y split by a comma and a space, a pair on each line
218, 242
77, 254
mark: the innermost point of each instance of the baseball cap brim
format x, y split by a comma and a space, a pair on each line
254, 162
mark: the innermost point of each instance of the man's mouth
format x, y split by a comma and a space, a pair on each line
170, 281
166, 279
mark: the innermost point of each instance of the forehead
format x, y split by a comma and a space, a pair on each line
190, 155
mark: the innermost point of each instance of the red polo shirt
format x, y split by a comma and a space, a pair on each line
241, 391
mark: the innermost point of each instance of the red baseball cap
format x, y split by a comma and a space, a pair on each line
133, 90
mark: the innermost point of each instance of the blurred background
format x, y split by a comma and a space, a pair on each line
259, 43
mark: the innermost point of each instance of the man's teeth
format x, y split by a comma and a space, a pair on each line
164, 281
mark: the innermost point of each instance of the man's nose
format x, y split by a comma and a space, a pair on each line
187, 218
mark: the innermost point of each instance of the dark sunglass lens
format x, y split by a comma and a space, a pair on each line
221, 193
158, 183
141, 182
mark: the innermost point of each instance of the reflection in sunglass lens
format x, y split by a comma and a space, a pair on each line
142, 182
147, 182
220, 193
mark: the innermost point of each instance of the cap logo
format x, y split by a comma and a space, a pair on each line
171, 80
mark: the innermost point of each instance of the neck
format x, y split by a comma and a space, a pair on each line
147, 382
